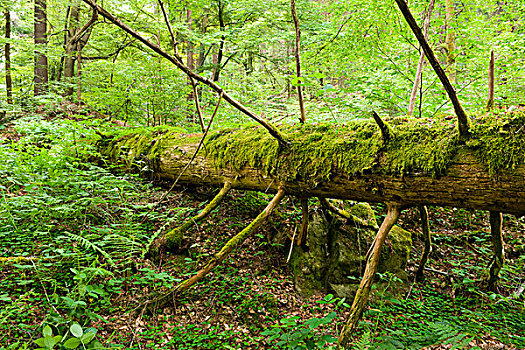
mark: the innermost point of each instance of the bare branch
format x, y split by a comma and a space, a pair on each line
271, 129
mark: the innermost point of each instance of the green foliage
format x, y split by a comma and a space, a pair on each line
76, 338
290, 334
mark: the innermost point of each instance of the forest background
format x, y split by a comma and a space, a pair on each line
81, 233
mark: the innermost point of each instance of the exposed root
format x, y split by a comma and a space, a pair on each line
427, 238
175, 236
223, 253
361, 297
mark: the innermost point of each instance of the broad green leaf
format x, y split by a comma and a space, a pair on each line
39, 342
49, 342
72, 343
76, 330
87, 337
47, 332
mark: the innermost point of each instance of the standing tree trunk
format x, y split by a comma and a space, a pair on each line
450, 42
490, 99
7, 50
69, 58
79, 75
40, 29
421, 63
74, 41
190, 63
220, 53
298, 60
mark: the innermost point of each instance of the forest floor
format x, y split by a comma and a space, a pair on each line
73, 238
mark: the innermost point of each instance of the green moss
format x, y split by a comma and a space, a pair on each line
317, 151
499, 141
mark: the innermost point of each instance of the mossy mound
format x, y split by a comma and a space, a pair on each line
335, 258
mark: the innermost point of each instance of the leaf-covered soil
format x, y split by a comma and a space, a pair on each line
83, 233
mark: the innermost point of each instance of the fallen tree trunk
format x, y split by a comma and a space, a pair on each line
420, 166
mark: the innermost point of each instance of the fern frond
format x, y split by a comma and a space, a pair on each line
87, 244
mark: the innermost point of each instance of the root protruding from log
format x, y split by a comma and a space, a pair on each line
225, 251
303, 234
175, 236
427, 239
363, 291
496, 223
344, 214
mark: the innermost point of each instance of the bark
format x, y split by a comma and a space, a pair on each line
463, 121
69, 60
427, 239
7, 53
220, 53
465, 184
496, 222
236, 104
298, 61
490, 99
79, 76
76, 39
362, 293
40, 31
421, 63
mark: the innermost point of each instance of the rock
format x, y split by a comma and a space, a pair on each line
334, 258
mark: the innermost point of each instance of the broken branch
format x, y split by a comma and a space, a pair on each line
463, 120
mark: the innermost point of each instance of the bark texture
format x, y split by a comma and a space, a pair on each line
427, 239
40, 28
496, 223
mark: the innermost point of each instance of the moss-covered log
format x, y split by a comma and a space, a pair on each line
423, 164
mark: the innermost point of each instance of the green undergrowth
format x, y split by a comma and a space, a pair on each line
71, 232
437, 318
317, 151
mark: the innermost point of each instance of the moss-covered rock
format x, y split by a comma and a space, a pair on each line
335, 258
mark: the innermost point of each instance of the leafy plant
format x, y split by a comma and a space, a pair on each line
75, 338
